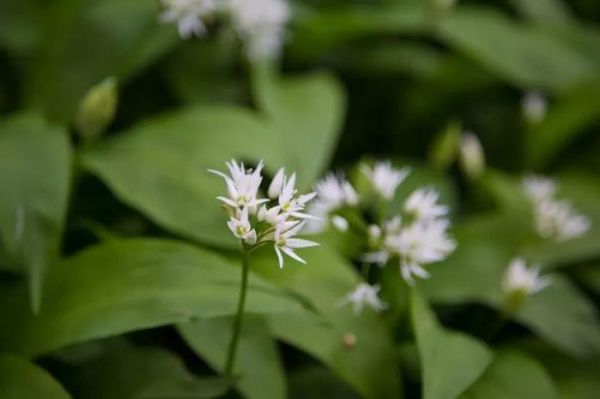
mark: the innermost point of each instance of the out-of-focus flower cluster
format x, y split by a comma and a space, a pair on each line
260, 24
554, 219
256, 220
414, 238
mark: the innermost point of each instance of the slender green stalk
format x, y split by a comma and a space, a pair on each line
237, 326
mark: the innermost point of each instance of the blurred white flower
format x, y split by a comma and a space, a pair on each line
419, 244
188, 14
374, 232
534, 106
553, 218
380, 257
364, 295
260, 24
539, 188
384, 178
285, 241
521, 279
559, 221
340, 223
472, 157
422, 203
333, 192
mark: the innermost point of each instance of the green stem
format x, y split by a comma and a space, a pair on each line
237, 326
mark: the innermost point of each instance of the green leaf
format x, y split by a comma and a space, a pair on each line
513, 375
549, 12
521, 53
125, 371
370, 364
125, 285
257, 365
451, 361
309, 111
160, 166
86, 41
35, 159
20, 379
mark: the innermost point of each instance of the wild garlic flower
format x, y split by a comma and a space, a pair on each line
421, 240
384, 178
534, 106
188, 15
423, 204
260, 24
364, 295
257, 221
333, 193
554, 219
520, 279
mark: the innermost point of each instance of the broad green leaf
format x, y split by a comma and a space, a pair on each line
125, 371
20, 379
86, 41
257, 365
513, 375
450, 361
318, 382
369, 365
567, 119
126, 285
550, 12
35, 159
160, 166
309, 112
521, 53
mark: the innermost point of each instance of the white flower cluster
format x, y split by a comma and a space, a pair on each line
259, 23
257, 221
333, 193
523, 280
554, 219
418, 239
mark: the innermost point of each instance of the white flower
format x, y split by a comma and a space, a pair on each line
340, 223
539, 188
284, 241
534, 106
240, 227
419, 244
277, 184
471, 155
260, 24
242, 185
384, 178
380, 257
188, 14
374, 232
364, 295
520, 278
290, 202
422, 203
335, 192
558, 220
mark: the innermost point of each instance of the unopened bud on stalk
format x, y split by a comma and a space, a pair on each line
97, 109
472, 157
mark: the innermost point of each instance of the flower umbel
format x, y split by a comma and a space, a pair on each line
257, 221
384, 178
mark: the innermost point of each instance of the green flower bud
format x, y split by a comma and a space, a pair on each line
97, 109
472, 157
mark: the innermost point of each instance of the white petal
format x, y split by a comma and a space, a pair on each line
290, 252
300, 243
279, 256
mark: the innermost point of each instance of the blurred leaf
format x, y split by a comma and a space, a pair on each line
513, 375
125, 371
589, 276
35, 159
565, 121
309, 112
125, 285
258, 367
160, 166
318, 382
20, 379
86, 41
19, 25
521, 53
550, 12
369, 365
451, 361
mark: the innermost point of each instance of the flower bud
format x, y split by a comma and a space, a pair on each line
534, 106
472, 157
340, 223
277, 184
97, 109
